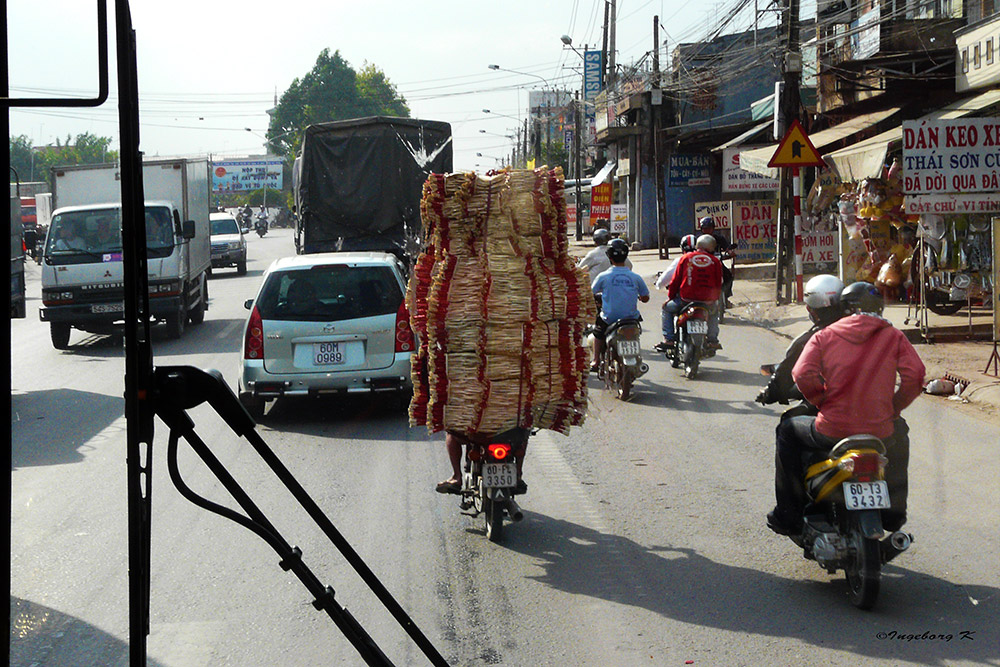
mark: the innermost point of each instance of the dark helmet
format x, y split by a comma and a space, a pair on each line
862, 297
617, 250
822, 297
687, 243
601, 236
706, 222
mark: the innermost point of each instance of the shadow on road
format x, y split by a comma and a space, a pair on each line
212, 336
679, 583
359, 417
41, 635
53, 426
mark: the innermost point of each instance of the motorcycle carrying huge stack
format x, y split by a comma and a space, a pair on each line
500, 309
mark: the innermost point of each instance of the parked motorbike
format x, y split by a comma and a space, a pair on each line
842, 524
622, 362
489, 481
692, 333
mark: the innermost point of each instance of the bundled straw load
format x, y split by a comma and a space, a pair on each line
499, 306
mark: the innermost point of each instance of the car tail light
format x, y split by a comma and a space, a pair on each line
499, 450
864, 467
404, 335
253, 344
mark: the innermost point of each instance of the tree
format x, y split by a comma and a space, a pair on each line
35, 163
20, 157
331, 90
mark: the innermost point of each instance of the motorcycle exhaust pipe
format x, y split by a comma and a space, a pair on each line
643, 368
900, 541
514, 510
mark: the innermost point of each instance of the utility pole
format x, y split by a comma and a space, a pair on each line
789, 110
604, 47
611, 45
577, 145
656, 108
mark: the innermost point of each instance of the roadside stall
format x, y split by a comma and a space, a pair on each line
915, 207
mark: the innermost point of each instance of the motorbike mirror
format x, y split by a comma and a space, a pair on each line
767, 370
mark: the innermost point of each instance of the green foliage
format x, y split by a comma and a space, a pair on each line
256, 197
331, 90
34, 163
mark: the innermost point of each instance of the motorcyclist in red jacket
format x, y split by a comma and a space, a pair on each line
848, 371
698, 277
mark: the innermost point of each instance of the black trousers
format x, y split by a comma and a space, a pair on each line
799, 445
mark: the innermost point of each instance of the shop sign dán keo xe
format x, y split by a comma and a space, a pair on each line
952, 166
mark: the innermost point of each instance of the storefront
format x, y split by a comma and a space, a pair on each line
915, 205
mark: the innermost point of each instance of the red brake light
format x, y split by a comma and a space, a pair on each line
499, 450
866, 467
404, 335
253, 344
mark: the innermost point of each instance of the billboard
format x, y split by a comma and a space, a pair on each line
689, 169
233, 176
952, 166
592, 75
735, 179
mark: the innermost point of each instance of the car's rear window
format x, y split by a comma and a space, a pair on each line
225, 226
329, 293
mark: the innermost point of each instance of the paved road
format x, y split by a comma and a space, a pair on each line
643, 542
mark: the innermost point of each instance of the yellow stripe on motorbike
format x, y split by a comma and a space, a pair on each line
839, 478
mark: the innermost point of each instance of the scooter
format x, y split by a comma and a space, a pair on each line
621, 362
489, 481
261, 226
692, 332
842, 524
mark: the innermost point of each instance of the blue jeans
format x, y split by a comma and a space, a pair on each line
674, 306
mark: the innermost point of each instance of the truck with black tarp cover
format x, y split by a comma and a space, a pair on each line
358, 183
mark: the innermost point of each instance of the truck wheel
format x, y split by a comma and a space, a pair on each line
241, 268
175, 325
197, 314
60, 335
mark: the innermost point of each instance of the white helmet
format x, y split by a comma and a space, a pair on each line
706, 242
822, 297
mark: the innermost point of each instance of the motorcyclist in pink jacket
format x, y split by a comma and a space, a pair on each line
848, 371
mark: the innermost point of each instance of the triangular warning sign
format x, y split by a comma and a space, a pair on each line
796, 150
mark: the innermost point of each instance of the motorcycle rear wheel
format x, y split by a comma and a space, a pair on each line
493, 512
690, 361
864, 571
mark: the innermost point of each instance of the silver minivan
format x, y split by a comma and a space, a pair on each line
327, 323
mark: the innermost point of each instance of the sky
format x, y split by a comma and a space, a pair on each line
208, 69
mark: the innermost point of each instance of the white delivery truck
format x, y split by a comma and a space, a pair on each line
82, 272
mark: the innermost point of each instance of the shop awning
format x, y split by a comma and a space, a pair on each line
866, 158
736, 141
756, 160
602, 175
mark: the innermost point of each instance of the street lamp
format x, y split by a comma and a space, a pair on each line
548, 104
267, 144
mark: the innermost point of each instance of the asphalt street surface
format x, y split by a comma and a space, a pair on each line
643, 541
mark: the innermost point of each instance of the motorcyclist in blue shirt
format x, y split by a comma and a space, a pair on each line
621, 289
